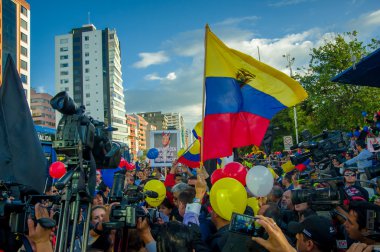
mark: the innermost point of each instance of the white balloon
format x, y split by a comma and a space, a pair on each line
259, 181
140, 153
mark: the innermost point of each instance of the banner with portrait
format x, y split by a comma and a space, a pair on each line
371, 142
167, 142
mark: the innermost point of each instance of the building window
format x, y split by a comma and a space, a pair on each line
63, 57
87, 86
24, 65
64, 73
64, 49
24, 78
24, 24
24, 37
86, 54
24, 10
86, 46
63, 41
66, 89
87, 62
64, 81
87, 78
87, 70
112, 36
24, 51
86, 38
87, 95
64, 64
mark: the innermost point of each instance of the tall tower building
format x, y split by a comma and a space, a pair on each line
15, 39
88, 67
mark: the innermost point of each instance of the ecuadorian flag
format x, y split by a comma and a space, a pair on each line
242, 96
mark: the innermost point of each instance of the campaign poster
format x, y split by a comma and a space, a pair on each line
167, 142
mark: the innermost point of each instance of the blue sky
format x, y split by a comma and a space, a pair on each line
162, 40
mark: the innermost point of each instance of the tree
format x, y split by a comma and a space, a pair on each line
331, 105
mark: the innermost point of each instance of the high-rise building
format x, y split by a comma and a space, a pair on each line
176, 122
15, 39
42, 112
139, 133
133, 134
88, 67
157, 119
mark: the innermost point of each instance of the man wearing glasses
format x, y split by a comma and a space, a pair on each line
353, 191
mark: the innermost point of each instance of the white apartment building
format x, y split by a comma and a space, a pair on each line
88, 67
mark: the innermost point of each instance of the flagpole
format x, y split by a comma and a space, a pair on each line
203, 97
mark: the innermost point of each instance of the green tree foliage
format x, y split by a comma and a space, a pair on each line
330, 105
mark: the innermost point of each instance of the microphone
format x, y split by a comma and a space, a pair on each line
151, 194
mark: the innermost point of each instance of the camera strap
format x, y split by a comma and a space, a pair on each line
26, 243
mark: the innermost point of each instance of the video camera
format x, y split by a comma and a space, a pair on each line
76, 128
19, 212
126, 214
319, 146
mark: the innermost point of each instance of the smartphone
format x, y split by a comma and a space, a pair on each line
243, 224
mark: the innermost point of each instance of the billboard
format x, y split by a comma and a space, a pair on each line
167, 142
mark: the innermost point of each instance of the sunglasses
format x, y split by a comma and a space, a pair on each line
349, 175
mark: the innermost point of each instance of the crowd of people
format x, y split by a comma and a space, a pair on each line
301, 213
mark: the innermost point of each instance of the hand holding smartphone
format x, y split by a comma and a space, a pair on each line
243, 224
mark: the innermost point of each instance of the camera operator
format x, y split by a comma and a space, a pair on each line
39, 236
99, 238
356, 221
363, 160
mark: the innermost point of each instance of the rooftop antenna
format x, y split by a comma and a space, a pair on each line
89, 17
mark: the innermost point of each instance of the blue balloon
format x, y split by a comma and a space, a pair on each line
356, 133
378, 125
107, 176
365, 128
152, 153
349, 134
364, 113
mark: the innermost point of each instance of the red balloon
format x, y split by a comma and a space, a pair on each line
129, 166
236, 171
216, 175
57, 170
122, 163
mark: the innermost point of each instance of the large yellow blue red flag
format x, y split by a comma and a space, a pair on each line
242, 96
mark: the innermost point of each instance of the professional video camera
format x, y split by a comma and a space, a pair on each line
75, 128
320, 146
126, 214
19, 211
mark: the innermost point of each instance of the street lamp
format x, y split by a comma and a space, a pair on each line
290, 61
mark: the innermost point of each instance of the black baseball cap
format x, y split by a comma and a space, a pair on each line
317, 228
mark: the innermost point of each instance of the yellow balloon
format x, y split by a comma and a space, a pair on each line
180, 152
254, 204
228, 196
158, 187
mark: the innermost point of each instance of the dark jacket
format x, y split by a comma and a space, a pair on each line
217, 241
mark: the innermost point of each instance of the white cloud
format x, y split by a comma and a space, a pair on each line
148, 59
366, 23
154, 76
171, 76
286, 3
41, 89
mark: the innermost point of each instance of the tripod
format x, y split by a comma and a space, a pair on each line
72, 200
